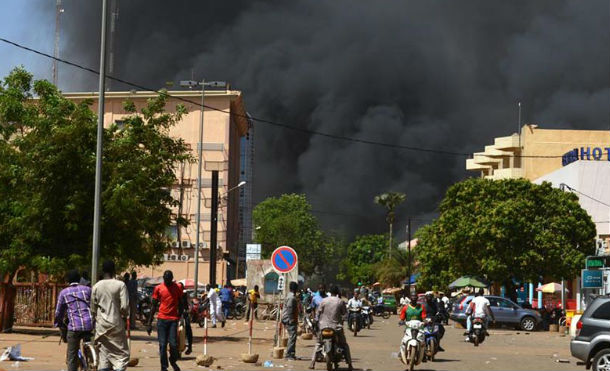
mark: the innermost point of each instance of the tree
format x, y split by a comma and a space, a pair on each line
392, 271
505, 229
390, 201
363, 254
287, 220
47, 173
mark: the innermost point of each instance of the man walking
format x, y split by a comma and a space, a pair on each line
226, 298
215, 306
290, 319
253, 296
132, 290
109, 309
74, 303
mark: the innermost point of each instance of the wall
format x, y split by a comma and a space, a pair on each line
255, 275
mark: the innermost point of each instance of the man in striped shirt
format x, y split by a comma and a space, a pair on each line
73, 305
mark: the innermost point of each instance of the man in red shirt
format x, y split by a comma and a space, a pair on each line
166, 297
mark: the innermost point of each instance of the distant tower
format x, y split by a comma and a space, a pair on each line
245, 193
58, 11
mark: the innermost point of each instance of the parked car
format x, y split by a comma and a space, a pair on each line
592, 342
505, 311
389, 302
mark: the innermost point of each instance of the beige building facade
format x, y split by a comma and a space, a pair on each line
224, 124
537, 152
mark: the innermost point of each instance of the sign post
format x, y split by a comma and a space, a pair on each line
283, 259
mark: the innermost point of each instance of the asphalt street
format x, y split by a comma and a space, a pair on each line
374, 349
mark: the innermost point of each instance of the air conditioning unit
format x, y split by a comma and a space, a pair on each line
175, 244
173, 257
203, 245
186, 244
184, 258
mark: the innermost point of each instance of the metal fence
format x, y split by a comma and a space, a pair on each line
35, 303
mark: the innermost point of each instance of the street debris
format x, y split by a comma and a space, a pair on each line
14, 354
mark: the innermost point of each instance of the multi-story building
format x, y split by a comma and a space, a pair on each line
536, 152
225, 126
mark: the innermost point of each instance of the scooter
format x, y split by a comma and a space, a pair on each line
332, 352
367, 317
477, 333
199, 311
431, 336
354, 320
413, 343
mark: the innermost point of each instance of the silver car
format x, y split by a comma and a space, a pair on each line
505, 311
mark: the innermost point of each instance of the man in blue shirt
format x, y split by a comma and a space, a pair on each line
318, 296
226, 298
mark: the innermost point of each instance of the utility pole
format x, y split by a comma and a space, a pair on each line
409, 254
98, 157
58, 11
214, 228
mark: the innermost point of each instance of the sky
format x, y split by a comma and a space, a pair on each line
434, 74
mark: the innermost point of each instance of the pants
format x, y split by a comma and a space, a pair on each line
189, 330
252, 308
342, 342
469, 323
292, 340
133, 310
167, 330
226, 308
216, 312
74, 339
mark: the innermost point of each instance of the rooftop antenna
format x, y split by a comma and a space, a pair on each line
519, 124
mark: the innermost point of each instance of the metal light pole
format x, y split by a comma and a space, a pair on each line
409, 254
98, 154
203, 84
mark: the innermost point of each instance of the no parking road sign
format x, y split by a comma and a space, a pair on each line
284, 259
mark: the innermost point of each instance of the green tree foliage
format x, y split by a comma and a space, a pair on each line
392, 271
47, 172
362, 256
287, 220
502, 229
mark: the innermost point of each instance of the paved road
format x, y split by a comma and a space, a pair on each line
373, 349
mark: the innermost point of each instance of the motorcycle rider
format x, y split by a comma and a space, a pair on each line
479, 307
330, 313
412, 311
353, 303
431, 311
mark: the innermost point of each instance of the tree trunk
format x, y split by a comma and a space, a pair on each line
390, 246
8, 293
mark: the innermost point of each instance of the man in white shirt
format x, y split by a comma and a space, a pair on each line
479, 308
354, 303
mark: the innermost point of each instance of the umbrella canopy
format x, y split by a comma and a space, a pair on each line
190, 283
239, 282
467, 281
150, 281
550, 288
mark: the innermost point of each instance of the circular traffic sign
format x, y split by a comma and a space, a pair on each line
284, 259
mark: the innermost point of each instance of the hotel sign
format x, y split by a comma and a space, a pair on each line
586, 153
592, 279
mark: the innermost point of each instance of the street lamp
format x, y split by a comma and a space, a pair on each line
191, 84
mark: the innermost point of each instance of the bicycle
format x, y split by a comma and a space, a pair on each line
88, 356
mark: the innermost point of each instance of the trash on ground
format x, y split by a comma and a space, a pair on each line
14, 354
268, 364
562, 360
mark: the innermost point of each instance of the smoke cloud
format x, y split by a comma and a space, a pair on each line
436, 74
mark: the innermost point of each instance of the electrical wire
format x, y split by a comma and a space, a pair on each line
266, 121
586, 195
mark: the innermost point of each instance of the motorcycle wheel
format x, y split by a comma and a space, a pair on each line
240, 311
476, 340
386, 314
432, 350
411, 359
403, 357
201, 322
329, 363
368, 325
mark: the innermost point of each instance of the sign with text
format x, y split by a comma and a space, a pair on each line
592, 279
281, 283
253, 251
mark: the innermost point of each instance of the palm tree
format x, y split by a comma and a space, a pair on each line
390, 201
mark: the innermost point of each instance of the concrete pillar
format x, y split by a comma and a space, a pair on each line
539, 296
530, 287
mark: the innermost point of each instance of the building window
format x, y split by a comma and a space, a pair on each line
172, 232
271, 279
120, 124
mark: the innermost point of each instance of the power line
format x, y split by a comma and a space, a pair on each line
586, 195
265, 121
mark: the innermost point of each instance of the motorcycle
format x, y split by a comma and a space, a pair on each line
412, 345
332, 352
431, 336
143, 306
380, 311
309, 324
354, 320
200, 311
367, 317
477, 332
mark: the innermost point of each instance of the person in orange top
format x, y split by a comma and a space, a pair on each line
166, 297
